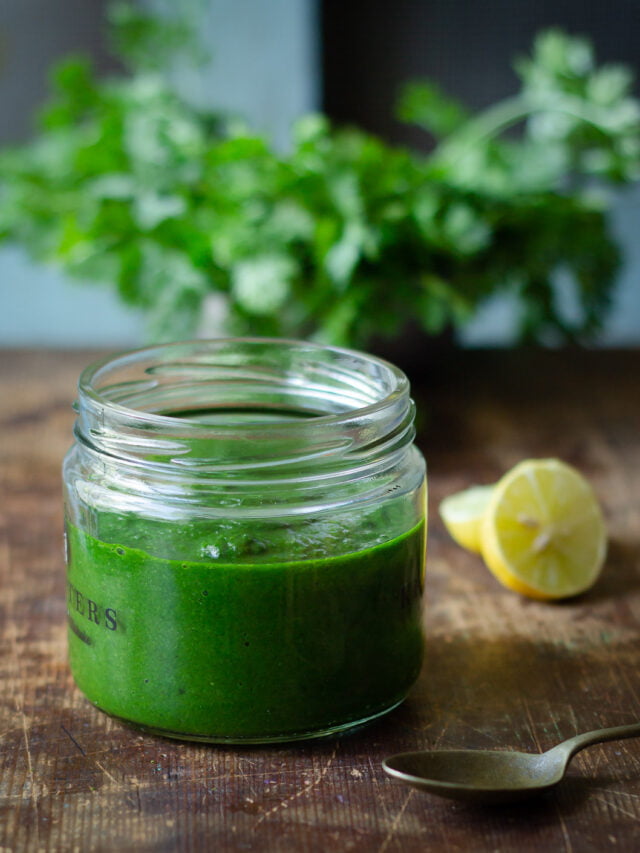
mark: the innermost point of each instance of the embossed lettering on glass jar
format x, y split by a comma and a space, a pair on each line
245, 523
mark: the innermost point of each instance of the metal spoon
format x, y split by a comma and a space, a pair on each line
490, 776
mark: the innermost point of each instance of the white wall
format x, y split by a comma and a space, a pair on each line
264, 66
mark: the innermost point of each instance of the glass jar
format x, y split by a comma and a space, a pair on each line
245, 530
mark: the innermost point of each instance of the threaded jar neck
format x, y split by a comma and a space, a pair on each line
245, 408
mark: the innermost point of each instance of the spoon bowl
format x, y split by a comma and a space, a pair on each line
492, 776
486, 775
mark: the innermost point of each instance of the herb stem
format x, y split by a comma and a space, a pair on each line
507, 113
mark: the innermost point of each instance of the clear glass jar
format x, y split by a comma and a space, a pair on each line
245, 527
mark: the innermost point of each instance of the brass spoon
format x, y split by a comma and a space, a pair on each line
490, 776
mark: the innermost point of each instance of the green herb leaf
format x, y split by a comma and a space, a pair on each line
424, 104
345, 237
261, 285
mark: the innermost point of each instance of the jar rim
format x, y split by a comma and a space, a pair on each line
396, 391
268, 412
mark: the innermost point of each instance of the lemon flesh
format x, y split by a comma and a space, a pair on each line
542, 533
462, 514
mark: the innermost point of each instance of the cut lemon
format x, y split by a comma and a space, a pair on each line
462, 515
543, 534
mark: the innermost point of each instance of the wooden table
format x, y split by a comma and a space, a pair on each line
500, 671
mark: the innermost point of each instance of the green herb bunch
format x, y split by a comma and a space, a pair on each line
342, 237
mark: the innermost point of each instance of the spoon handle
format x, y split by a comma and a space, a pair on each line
575, 744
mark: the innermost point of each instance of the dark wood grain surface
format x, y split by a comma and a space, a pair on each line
500, 671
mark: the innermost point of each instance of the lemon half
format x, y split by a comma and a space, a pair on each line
462, 514
542, 532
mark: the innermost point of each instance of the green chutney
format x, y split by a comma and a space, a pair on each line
230, 646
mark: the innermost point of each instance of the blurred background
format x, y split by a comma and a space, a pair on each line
274, 61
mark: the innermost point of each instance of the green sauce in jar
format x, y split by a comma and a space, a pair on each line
248, 651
